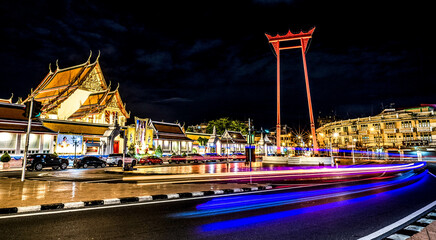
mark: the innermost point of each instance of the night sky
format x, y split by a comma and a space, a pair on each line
194, 61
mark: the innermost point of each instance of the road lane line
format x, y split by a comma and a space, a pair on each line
432, 174
399, 223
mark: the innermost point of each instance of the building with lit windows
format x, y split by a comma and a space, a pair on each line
393, 130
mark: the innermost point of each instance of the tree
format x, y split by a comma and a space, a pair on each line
158, 151
202, 141
5, 157
131, 149
225, 123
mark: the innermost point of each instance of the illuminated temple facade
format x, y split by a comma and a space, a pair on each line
79, 105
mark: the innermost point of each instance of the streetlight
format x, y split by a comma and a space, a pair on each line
335, 135
76, 144
376, 142
352, 149
322, 138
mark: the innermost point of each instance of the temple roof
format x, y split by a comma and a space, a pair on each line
169, 131
233, 136
93, 104
70, 127
12, 120
98, 101
57, 86
60, 84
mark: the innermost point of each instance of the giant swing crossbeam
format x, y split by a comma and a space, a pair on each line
304, 38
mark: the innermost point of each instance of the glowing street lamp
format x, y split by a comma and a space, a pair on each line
376, 141
335, 135
352, 149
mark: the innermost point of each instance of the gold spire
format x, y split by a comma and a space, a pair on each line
98, 56
90, 54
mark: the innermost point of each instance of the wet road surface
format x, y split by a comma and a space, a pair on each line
341, 211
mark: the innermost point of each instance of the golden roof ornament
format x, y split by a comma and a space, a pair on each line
90, 55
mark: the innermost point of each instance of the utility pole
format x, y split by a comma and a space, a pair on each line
249, 146
26, 146
249, 142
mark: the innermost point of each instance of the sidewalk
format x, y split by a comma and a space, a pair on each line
428, 233
14, 193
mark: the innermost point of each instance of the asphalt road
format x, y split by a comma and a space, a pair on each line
340, 211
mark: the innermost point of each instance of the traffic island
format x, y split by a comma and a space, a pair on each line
124, 200
35, 196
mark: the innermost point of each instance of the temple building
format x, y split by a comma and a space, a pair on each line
79, 105
233, 142
170, 137
264, 146
200, 142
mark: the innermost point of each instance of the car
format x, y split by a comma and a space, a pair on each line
117, 159
89, 161
218, 157
238, 156
41, 160
150, 160
176, 159
195, 157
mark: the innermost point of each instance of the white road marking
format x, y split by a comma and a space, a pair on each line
237, 190
111, 201
399, 222
173, 196
197, 194
145, 198
74, 205
432, 174
29, 209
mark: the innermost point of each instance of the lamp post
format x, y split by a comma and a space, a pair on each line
352, 149
323, 140
76, 143
376, 142
335, 135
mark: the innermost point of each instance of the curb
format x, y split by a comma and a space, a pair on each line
414, 228
114, 201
